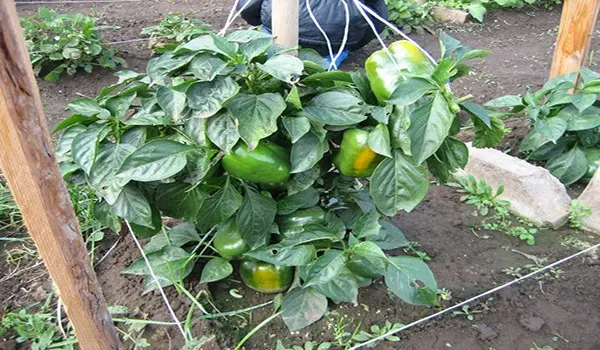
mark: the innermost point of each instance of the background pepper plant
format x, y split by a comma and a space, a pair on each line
173, 30
566, 126
66, 43
239, 140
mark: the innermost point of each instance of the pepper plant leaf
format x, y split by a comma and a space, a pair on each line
256, 115
219, 207
398, 184
302, 307
156, 160
256, 213
180, 200
207, 98
430, 124
569, 166
222, 130
411, 279
335, 108
131, 205
103, 173
283, 67
307, 152
300, 200
216, 269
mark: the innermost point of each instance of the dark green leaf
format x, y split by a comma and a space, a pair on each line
390, 236
307, 152
257, 115
104, 214
256, 214
196, 129
132, 206
335, 108
411, 280
118, 105
222, 131
303, 307
453, 154
88, 107
208, 43
305, 199
429, 127
296, 256
283, 67
583, 101
219, 207
367, 225
74, 119
135, 136
180, 200
296, 127
552, 128
85, 145
171, 101
177, 236
325, 268
342, 288
505, 101
398, 184
206, 67
410, 91
477, 111
568, 167
103, 173
302, 181
488, 137
216, 269
156, 160
207, 98
379, 140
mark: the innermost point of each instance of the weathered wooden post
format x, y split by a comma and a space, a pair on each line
28, 164
285, 22
576, 29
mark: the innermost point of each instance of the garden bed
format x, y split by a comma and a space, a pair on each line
465, 260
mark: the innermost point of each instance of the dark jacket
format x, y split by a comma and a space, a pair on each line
330, 14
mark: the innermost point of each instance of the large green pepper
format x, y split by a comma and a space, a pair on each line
385, 75
294, 223
228, 241
266, 278
355, 158
267, 163
593, 159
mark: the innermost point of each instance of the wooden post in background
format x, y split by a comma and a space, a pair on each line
285, 22
28, 164
576, 29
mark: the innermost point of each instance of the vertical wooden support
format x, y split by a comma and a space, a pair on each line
577, 25
285, 22
28, 164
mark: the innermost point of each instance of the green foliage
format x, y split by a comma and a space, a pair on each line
478, 8
152, 145
37, 329
489, 205
10, 215
409, 14
577, 211
176, 28
566, 126
65, 43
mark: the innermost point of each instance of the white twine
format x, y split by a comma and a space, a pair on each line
345, 38
491, 291
235, 16
162, 292
314, 19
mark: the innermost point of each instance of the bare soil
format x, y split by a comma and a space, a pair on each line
465, 259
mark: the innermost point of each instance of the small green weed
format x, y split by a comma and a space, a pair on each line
469, 312
39, 329
67, 42
488, 204
577, 211
173, 30
536, 347
409, 15
413, 247
10, 215
538, 263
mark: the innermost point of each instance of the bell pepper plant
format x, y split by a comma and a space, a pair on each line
565, 119
270, 159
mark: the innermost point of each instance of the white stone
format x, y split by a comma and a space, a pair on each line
531, 190
443, 14
591, 198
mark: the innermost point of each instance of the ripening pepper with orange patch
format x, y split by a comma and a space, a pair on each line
355, 158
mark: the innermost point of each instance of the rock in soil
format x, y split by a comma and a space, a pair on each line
532, 323
486, 333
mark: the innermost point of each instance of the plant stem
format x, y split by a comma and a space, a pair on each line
255, 329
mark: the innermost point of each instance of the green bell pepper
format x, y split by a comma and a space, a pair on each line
228, 241
355, 158
266, 278
294, 223
593, 159
267, 163
385, 75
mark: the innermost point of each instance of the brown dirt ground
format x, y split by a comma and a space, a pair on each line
466, 262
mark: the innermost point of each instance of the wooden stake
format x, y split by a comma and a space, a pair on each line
28, 164
577, 25
285, 22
